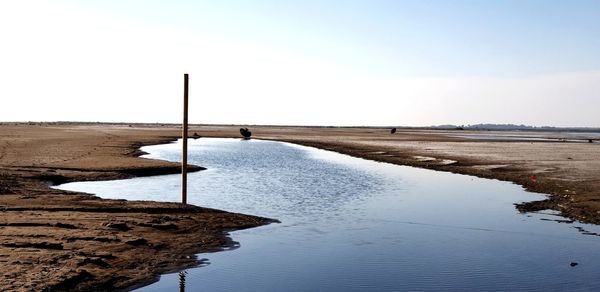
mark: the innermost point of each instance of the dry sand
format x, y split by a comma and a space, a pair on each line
51, 239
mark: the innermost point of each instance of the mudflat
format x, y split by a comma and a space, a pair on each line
52, 239
55, 240
569, 172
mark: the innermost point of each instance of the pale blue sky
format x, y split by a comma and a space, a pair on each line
405, 38
303, 62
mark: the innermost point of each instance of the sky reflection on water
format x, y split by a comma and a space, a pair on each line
350, 224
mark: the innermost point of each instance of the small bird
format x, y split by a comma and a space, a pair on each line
393, 131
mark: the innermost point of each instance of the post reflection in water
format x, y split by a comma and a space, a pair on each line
182, 275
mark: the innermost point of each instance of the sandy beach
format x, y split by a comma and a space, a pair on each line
53, 239
566, 171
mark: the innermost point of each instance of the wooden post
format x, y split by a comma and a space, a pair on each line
184, 135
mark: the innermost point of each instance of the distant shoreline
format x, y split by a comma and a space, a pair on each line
476, 127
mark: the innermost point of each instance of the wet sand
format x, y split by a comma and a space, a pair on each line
55, 240
568, 172
52, 239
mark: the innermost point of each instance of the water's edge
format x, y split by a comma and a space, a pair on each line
354, 156
522, 207
139, 172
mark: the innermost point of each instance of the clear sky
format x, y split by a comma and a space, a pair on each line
302, 62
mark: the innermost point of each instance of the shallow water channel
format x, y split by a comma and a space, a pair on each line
349, 224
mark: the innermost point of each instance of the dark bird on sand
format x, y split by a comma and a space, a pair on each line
393, 131
245, 132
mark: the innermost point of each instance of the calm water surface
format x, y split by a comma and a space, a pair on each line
349, 224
